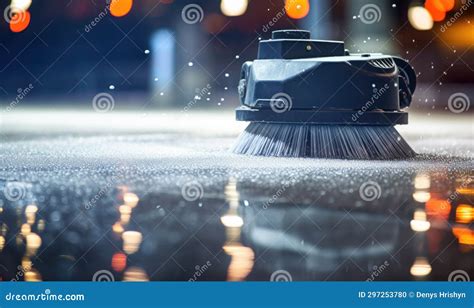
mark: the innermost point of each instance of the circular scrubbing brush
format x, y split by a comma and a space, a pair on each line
312, 98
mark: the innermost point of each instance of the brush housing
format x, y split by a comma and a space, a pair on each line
299, 80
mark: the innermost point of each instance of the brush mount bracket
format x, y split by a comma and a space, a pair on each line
299, 80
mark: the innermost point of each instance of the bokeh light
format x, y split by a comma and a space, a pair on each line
421, 267
420, 18
119, 261
464, 214
448, 4
120, 8
419, 223
22, 5
438, 208
297, 9
436, 9
464, 235
20, 21
130, 199
234, 7
131, 241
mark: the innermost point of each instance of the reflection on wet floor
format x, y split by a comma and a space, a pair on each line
105, 201
242, 258
418, 227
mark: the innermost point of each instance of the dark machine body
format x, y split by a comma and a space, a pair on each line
296, 81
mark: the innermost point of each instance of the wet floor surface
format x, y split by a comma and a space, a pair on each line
176, 205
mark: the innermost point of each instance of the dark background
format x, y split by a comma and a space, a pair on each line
68, 65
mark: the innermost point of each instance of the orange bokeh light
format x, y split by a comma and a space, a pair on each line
297, 9
438, 208
119, 262
465, 235
464, 214
448, 4
436, 9
119, 8
20, 21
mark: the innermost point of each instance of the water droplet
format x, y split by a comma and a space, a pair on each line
227, 75
190, 63
111, 87
373, 85
147, 51
222, 99
161, 93
156, 78
237, 56
226, 88
394, 5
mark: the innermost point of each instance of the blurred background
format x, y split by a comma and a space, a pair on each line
150, 54
73, 71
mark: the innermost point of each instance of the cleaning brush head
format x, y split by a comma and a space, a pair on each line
310, 98
323, 141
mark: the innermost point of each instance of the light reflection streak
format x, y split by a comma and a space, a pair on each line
421, 267
135, 273
242, 257
125, 214
464, 235
464, 214
419, 222
130, 199
421, 196
30, 213
33, 242
131, 241
33, 275
25, 229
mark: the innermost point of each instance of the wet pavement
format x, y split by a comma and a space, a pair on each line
86, 199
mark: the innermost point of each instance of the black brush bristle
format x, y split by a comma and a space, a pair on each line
323, 141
